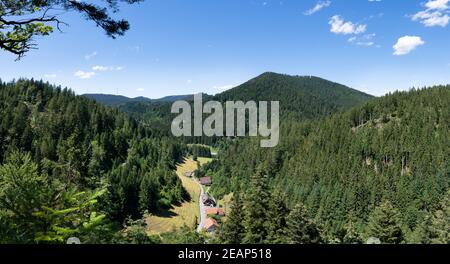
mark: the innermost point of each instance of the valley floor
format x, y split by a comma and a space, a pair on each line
188, 213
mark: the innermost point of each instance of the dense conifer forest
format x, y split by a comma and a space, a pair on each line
73, 167
387, 160
349, 167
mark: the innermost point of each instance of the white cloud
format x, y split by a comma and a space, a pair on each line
437, 4
189, 81
431, 19
352, 39
406, 44
101, 68
319, 6
339, 26
84, 75
140, 89
436, 14
365, 40
90, 55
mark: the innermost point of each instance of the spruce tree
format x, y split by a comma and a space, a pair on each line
233, 228
301, 228
440, 222
384, 223
148, 193
256, 206
352, 236
277, 224
423, 233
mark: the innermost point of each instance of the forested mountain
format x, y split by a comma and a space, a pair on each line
114, 100
348, 166
301, 97
173, 98
387, 159
73, 167
117, 100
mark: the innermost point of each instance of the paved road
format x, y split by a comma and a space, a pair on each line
202, 209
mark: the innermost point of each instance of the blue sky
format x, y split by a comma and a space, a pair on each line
188, 46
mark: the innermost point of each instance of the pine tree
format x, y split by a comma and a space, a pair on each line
256, 206
384, 223
148, 193
233, 228
302, 230
423, 233
277, 223
440, 222
352, 236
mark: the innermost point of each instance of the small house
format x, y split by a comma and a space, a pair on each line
205, 181
215, 211
210, 225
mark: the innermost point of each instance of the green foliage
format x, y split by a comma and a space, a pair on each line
301, 228
186, 235
21, 21
391, 148
135, 232
301, 97
256, 204
233, 228
435, 228
277, 215
384, 223
77, 220
339, 165
74, 147
200, 151
35, 208
263, 217
352, 235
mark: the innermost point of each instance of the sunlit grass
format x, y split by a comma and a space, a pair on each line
185, 214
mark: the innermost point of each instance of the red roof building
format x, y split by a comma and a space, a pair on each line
215, 211
210, 224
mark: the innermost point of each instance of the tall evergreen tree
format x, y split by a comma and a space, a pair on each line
352, 236
302, 230
440, 222
233, 228
384, 223
256, 206
277, 223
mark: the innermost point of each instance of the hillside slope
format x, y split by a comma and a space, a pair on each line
114, 100
118, 100
56, 147
300, 96
394, 148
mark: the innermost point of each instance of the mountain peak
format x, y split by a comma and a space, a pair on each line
302, 96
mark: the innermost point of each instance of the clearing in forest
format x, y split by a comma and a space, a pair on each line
185, 214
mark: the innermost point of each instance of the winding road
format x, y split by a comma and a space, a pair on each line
202, 209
